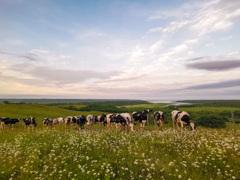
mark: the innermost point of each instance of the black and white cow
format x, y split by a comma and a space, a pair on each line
183, 119
100, 119
122, 120
142, 117
70, 120
8, 121
30, 122
80, 121
47, 122
159, 118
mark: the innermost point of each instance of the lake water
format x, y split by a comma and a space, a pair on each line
169, 102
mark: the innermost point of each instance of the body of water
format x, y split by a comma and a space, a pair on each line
169, 102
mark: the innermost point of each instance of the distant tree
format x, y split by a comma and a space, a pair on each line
212, 121
6, 102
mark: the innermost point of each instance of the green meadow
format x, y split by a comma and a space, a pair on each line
62, 152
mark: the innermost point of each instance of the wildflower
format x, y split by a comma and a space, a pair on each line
179, 176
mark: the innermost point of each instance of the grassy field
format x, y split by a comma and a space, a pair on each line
214, 109
65, 153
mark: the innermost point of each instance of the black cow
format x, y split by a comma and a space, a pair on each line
5, 121
30, 122
80, 121
142, 117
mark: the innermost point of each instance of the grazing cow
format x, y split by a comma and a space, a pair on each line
30, 122
90, 120
182, 118
142, 117
70, 120
128, 120
47, 122
159, 118
80, 121
58, 120
100, 119
67, 120
119, 121
109, 120
5, 121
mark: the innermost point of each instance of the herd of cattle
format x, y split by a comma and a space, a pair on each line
181, 118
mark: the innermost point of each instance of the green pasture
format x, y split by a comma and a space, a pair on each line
64, 153
145, 106
213, 109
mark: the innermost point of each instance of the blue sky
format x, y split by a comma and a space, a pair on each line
167, 50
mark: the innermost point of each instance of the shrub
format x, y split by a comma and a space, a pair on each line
102, 108
212, 121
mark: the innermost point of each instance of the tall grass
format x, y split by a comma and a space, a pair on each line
64, 153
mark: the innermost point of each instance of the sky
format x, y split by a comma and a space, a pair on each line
120, 49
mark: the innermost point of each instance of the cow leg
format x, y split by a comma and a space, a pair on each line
173, 122
2, 125
161, 122
131, 126
177, 125
143, 124
158, 123
117, 125
181, 126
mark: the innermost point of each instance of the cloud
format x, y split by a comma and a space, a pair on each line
29, 56
126, 77
62, 76
2, 52
199, 18
215, 16
217, 85
215, 65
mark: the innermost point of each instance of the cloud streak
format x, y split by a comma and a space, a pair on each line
66, 76
217, 85
215, 65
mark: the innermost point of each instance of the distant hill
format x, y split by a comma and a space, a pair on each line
214, 103
115, 102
